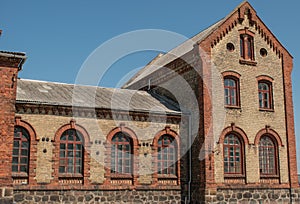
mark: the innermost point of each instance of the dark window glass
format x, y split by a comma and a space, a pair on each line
21, 145
265, 95
231, 92
121, 154
233, 162
166, 155
267, 156
247, 47
70, 158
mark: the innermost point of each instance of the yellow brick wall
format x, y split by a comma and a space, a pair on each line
47, 125
248, 118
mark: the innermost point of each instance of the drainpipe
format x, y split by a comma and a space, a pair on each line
190, 155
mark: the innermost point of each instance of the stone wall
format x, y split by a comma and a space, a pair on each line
253, 196
104, 197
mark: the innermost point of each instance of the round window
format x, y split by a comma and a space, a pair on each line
230, 47
263, 52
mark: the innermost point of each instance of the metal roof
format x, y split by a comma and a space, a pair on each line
163, 59
60, 94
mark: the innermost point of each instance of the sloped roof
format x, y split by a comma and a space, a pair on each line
60, 94
161, 60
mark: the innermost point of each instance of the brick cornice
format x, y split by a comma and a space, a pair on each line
237, 17
27, 108
10, 62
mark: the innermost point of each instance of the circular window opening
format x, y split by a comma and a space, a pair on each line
230, 47
263, 52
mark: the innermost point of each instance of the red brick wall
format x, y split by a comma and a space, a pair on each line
7, 116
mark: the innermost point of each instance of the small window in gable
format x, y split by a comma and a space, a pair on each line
247, 47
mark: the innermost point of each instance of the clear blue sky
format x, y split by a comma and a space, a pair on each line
58, 36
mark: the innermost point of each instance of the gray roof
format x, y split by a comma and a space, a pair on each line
163, 59
60, 94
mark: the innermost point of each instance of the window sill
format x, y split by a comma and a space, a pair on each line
70, 175
269, 177
234, 176
166, 176
266, 109
19, 175
121, 176
232, 107
248, 62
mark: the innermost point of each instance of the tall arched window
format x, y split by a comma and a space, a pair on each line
71, 152
247, 47
265, 95
21, 147
233, 154
166, 155
231, 91
121, 154
267, 156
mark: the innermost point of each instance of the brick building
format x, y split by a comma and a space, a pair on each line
209, 122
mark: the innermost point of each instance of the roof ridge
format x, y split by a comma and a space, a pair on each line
82, 85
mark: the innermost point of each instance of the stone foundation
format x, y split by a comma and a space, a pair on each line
103, 197
253, 196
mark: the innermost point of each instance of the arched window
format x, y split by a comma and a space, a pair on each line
166, 155
267, 156
21, 147
231, 91
233, 154
71, 152
265, 95
121, 154
247, 47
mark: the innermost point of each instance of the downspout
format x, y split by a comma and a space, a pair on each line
190, 157
188, 114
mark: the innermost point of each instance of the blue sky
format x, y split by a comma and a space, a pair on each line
58, 36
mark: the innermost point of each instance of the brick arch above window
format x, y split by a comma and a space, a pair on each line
230, 73
67, 179
233, 129
73, 125
269, 132
126, 130
122, 179
265, 78
166, 131
28, 127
